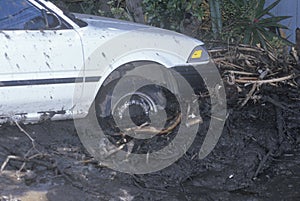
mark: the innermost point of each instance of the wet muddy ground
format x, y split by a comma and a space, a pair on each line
257, 158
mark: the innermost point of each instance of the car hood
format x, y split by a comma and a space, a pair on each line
118, 38
122, 26
110, 23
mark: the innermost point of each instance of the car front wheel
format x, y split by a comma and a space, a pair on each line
135, 105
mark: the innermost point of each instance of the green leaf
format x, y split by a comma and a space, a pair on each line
262, 38
259, 7
276, 25
267, 10
274, 19
235, 3
247, 36
271, 35
189, 6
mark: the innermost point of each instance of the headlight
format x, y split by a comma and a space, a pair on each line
199, 54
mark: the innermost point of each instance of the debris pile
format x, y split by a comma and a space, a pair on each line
248, 70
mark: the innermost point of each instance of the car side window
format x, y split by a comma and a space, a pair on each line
17, 14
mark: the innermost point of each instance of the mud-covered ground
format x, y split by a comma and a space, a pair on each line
257, 158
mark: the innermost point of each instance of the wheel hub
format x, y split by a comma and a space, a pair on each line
136, 107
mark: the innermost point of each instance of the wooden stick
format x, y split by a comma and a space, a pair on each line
231, 65
248, 78
154, 130
23, 131
264, 81
249, 95
8, 158
241, 72
262, 162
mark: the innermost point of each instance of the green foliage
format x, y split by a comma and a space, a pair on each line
93, 7
253, 23
171, 13
216, 17
240, 21
234, 9
118, 10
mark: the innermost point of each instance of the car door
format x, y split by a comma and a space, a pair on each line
38, 67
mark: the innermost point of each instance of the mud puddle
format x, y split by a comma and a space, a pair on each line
257, 158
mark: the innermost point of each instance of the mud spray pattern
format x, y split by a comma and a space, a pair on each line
113, 156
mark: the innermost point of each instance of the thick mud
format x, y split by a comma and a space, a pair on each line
256, 158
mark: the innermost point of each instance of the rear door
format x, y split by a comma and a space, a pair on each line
38, 67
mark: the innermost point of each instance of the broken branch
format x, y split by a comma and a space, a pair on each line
264, 81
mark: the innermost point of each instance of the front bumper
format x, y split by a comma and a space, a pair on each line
196, 76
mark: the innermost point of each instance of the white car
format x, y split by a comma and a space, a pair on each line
55, 65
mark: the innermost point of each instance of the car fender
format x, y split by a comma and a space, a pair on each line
160, 57
104, 55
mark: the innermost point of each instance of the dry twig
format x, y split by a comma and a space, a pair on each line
150, 129
26, 157
244, 65
264, 81
249, 95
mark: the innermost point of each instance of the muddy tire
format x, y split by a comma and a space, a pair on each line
133, 101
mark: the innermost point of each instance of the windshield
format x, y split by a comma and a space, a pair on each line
14, 14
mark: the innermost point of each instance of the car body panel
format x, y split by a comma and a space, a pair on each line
57, 73
109, 46
39, 56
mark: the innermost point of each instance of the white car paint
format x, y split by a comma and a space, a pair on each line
31, 58
86, 53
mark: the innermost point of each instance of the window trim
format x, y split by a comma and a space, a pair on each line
47, 5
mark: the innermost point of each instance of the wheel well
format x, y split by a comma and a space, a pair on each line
116, 74
121, 70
